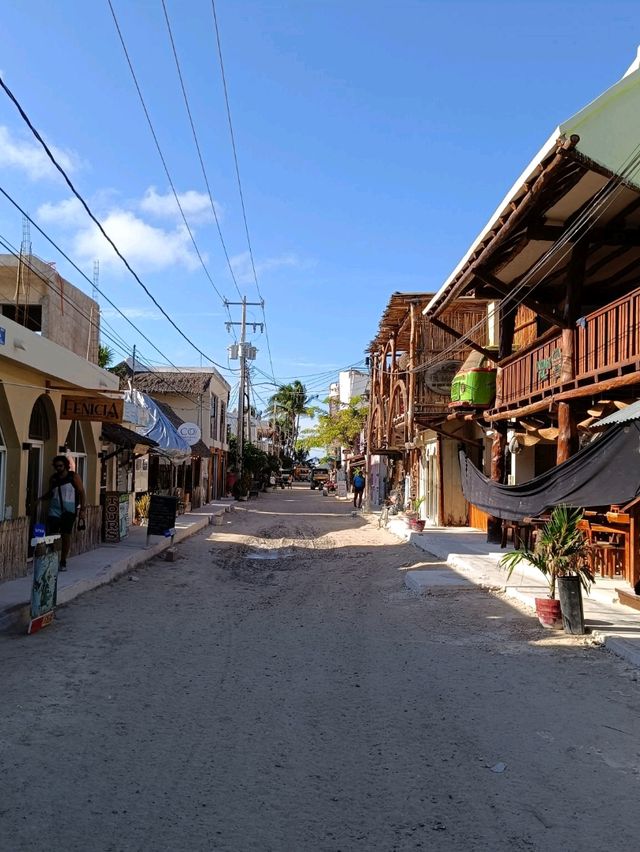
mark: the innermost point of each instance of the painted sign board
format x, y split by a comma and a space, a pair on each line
46, 557
91, 408
115, 516
438, 377
190, 432
3, 336
162, 515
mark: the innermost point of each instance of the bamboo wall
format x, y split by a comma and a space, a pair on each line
14, 539
91, 537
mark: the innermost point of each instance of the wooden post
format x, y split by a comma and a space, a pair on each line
498, 447
412, 376
567, 434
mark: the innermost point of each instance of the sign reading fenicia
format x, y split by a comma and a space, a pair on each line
91, 408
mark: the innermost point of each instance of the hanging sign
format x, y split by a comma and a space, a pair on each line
190, 432
97, 408
438, 377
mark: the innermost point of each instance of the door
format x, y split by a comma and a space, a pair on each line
33, 509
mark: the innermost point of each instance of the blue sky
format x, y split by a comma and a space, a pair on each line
375, 140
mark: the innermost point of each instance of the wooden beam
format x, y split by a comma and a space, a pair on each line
490, 356
504, 290
548, 402
605, 236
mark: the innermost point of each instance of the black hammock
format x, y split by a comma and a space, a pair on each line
604, 473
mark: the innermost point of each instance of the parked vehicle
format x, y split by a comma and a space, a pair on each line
318, 477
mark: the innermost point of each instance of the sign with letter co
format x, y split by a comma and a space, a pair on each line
91, 408
190, 432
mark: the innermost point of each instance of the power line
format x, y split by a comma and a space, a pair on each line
595, 208
121, 345
197, 144
159, 149
101, 292
238, 180
96, 221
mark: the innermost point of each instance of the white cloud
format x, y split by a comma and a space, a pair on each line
148, 248
241, 265
65, 213
196, 205
29, 157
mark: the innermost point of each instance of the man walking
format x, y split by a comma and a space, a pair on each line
65, 494
358, 489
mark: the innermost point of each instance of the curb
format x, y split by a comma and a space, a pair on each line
18, 616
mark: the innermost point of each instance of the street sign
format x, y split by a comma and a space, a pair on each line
190, 432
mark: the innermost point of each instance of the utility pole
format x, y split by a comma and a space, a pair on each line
246, 352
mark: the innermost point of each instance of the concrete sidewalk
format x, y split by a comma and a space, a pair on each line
470, 559
96, 567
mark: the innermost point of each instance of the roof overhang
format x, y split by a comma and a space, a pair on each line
568, 173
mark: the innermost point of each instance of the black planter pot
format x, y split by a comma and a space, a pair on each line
570, 594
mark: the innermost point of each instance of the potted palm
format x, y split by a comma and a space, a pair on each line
561, 553
415, 522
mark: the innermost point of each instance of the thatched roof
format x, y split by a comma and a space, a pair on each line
182, 382
197, 449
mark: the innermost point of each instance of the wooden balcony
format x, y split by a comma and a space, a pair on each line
606, 345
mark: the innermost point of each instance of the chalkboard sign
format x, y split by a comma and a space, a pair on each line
162, 515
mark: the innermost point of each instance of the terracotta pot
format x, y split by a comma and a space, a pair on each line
549, 613
417, 525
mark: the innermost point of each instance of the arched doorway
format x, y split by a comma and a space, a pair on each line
41, 441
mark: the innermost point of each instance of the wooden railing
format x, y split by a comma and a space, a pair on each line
605, 341
531, 373
610, 338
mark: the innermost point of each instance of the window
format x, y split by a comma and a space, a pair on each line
76, 450
213, 420
30, 316
223, 423
39, 423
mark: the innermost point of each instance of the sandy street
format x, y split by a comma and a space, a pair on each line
276, 688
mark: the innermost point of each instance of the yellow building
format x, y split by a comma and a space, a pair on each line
35, 373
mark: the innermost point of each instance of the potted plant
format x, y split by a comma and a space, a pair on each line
240, 489
415, 522
142, 509
561, 553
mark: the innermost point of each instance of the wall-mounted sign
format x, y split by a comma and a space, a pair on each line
439, 376
190, 432
550, 367
91, 408
3, 333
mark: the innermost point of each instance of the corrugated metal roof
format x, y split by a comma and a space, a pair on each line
625, 415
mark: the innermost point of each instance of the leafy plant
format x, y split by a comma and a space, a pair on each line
415, 504
562, 550
142, 506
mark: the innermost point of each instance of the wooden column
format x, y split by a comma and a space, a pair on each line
567, 433
498, 474
411, 390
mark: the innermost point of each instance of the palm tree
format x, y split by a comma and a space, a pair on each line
288, 404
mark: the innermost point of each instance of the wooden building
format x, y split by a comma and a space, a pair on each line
562, 253
411, 445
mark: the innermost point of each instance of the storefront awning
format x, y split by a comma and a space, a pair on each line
123, 437
162, 431
604, 473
